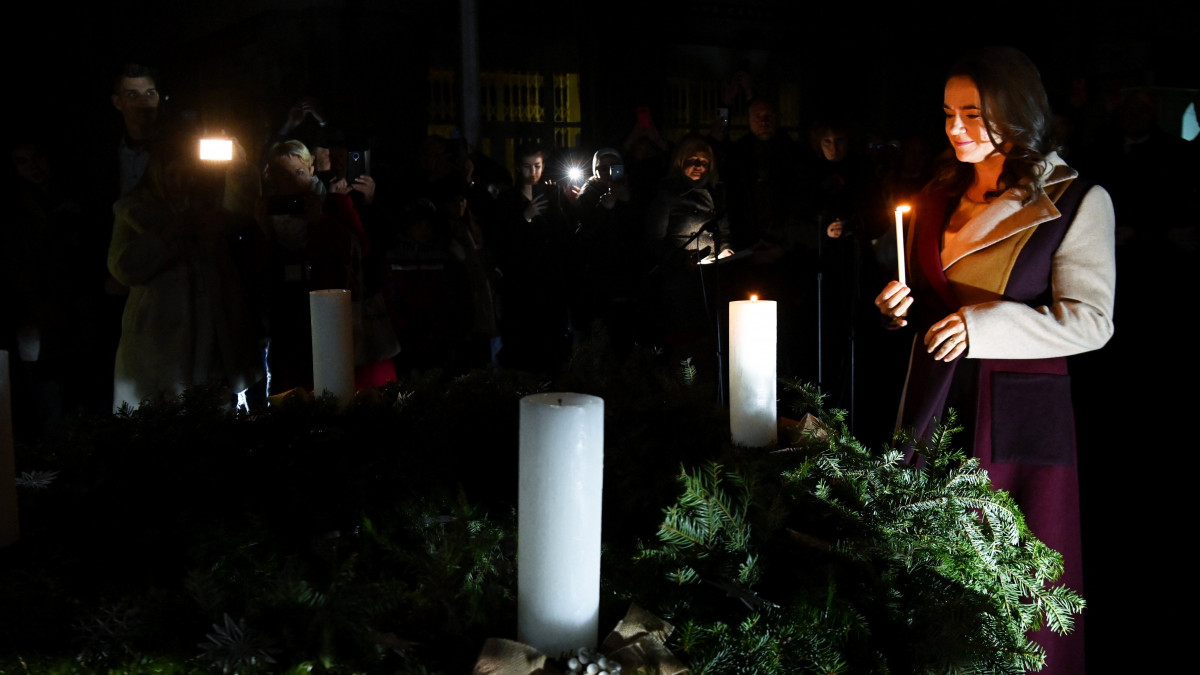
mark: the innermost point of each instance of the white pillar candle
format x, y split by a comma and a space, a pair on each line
900, 211
558, 521
753, 418
332, 344
10, 529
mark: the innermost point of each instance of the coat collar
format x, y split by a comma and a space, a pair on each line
1006, 216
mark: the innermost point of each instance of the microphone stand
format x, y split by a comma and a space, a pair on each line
855, 295
712, 317
820, 304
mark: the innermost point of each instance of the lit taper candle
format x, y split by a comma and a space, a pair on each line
900, 211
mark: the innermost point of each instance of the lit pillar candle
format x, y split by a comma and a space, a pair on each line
900, 211
753, 418
332, 344
10, 529
558, 521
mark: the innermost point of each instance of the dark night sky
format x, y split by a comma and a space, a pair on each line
883, 63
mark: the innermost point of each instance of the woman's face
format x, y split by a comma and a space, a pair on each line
604, 167
964, 122
696, 166
32, 164
531, 169
289, 175
835, 145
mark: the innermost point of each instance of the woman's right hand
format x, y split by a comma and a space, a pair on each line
893, 302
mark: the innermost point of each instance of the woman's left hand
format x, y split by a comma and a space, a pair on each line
947, 339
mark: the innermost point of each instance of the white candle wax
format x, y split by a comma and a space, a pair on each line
900, 211
558, 521
753, 418
10, 529
332, 344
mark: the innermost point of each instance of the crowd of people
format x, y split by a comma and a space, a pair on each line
163, 270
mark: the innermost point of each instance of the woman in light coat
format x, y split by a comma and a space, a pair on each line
1013, 269
186, 320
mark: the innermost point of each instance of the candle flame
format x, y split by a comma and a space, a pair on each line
754, 298
903, 208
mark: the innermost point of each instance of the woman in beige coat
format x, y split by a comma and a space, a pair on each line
1013, 269
186, 320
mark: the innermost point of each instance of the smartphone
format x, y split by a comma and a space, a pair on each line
216, 149
723, 116
616, 173
358, 163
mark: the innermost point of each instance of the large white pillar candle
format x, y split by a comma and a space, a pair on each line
10, 529
753, 417
332, 344
558, 521
900, 211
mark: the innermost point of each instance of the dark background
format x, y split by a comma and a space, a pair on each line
240, 64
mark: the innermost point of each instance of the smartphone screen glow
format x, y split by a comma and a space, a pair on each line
216, 149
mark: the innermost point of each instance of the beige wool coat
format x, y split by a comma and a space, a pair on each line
186, 320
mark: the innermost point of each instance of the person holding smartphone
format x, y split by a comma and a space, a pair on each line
532, 245
608, 224
315, 241
186, 320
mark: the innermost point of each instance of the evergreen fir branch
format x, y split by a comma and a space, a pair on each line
931, 554
680, 531
1060, 605
748, 572
236, 648
684, 576
940, 440
687, 372
1048, 563
35, 479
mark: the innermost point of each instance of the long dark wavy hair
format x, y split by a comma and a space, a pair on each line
1017, 115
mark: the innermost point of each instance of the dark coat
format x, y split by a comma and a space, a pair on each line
681, 208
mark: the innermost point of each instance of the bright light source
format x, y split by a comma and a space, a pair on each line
575, 174
216, 149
